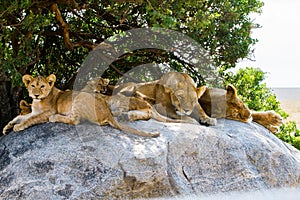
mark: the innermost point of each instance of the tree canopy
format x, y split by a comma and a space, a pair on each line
55, 36
40, 37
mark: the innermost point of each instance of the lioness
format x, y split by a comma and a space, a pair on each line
174, 95
217, 103
177, 95
221, 103
129, 108
52, 104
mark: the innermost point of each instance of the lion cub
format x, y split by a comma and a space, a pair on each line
52, 104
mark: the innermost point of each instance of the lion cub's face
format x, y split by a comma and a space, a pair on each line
39, 87
98, 85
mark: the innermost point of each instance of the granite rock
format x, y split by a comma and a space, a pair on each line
59, 161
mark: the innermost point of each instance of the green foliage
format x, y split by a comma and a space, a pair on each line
290, 134
33, 39
221, 27
257, 96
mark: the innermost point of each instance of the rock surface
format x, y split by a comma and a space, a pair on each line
59, 161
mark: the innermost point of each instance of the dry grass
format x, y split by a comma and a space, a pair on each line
292, 107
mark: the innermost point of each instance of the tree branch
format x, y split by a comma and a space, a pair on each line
64, 26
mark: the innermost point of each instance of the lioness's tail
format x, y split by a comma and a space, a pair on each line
157, 116
131, 130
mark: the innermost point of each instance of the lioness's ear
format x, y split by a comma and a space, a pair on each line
51, 79
23, 104
165, 88
231, 90
200, 91
27, 79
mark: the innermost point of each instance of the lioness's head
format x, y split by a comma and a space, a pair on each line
184, 99
97, 85
235, 107
182, 92
39, 87
220, 103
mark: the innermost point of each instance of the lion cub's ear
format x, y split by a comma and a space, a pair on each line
27, 79
24, 104
51, 79
231, 90
105, 81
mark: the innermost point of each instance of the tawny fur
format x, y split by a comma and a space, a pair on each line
221, 103
269, 119
52, 104
25, 107
126, 108
174, 95
217, 103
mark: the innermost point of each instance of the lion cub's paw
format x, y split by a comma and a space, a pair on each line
7, 127
53, 118
18, 127
209, 121
4, 131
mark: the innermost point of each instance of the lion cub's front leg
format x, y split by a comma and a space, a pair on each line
129, 108
33, 120
73, 119
11, 124
24, 114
